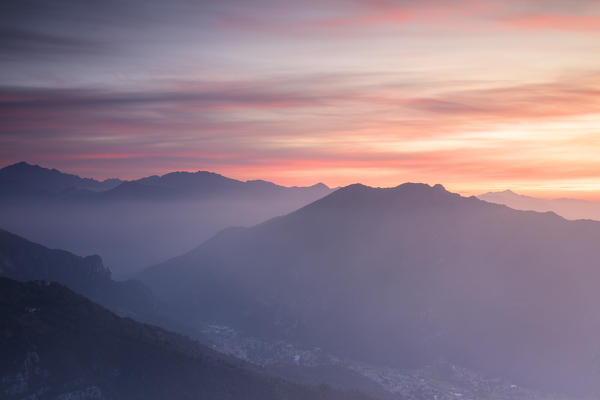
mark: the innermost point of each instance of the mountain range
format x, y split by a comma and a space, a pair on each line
26, 180
409, 292
133, 224
403, 276
202, 185
26, 261
567, 208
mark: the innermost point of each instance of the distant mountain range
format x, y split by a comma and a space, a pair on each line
202, 184
567, 208
57, 345
23, 179
32, 181
404, 276
136, 223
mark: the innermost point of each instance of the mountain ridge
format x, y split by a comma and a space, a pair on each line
59, 345
568, 208
24, 179
24, 260
142, 222
418, 270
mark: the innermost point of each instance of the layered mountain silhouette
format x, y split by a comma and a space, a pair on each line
56, 344
567, 208
404, 276
23, 260
27, 180
204, 184
137, 223
23, 179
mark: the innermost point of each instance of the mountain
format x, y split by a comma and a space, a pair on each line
401, 277
26, 180
567, 208
23, 260
204, 184
141, 222
58, 345
23, 179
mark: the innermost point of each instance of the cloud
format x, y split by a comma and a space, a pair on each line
334, 107
576, 23
313, 121
445, 89
17, 42
203, 95
355, 18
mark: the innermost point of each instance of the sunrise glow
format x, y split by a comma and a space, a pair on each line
480, 96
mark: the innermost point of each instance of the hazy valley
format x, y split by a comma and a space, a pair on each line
411, 292
299, 200
136, 223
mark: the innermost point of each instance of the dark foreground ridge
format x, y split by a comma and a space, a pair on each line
23, 260
56, 344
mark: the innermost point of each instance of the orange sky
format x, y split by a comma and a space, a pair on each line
478, 95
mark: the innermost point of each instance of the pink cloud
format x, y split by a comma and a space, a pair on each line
583, 23
345, 134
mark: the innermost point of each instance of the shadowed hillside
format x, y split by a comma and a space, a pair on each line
23, 260
58, 345
403, 276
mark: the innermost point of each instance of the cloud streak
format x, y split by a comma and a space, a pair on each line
456, 135
579, 23
471, 94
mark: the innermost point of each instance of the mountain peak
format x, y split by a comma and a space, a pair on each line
506, 192
358, 195
404, 188
261, 182
21, 164
27, 179
415, 186
24, 166
319, 185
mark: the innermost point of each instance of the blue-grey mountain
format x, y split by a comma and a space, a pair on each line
133, 224
404, 276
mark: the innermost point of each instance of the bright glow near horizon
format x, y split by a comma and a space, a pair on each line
480, 95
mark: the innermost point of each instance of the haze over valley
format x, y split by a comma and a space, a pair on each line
309, 200
397, 293
133, 224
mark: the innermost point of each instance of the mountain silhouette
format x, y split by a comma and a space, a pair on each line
204, 184
141, 222
567, 208
23, 179
23, 260
57, 344
403, 276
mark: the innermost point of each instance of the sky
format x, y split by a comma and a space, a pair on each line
477, 95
